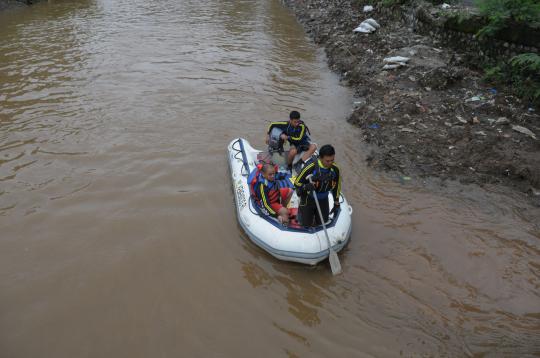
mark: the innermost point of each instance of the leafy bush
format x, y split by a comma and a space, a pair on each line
525, 68
403, 2
522, 73
503, 12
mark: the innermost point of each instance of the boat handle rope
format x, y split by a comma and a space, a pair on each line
240, 151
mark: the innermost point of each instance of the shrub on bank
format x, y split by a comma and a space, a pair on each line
503, 13
522, 73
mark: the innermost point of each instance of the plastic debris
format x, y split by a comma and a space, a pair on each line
396, 59
374, 126
368, 8
493, 90
367, 26
474, 99
392, 66
445, 6
525, 131
372, 22
403, 179
395, 62
502, 120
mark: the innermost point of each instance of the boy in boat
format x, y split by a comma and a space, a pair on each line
297, 134
271, 195
320, 175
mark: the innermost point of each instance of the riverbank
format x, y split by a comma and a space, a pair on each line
433, 116
10, 4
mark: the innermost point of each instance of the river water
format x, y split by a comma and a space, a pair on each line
118, 233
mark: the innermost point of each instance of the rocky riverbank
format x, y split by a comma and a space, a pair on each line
430, 114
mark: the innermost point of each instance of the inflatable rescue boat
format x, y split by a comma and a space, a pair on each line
292, 242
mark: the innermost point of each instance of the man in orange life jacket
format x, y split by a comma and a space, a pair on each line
271, 196
324, 175
297, 133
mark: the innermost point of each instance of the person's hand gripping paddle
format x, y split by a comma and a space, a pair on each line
335, 265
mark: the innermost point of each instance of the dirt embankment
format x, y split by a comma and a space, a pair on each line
433, 116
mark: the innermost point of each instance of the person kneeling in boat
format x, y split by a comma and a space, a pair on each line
320, 175
297, 133
271, 195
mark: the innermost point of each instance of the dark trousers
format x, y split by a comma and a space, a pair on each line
308, 214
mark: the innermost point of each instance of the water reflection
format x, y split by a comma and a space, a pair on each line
305, 288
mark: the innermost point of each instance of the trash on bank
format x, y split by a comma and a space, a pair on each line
502, 120
395, 62
396, 59
445, 6
403, 179
373, 23
374, 126
525, 131
368, 8
474, 99
367, 26
392, 66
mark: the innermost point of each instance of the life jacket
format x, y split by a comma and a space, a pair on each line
256, 175
324, 179
282, 180
307, 128
293, 131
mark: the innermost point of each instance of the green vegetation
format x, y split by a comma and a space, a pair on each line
502, 13
522, 73
389, 3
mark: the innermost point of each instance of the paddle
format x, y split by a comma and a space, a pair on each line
335, 265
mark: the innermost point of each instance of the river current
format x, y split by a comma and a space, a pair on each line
118, 232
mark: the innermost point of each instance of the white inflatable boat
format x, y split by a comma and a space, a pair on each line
292, 242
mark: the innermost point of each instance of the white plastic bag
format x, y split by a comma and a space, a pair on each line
365, 28
372, 22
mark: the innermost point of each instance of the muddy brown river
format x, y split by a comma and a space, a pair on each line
118, 233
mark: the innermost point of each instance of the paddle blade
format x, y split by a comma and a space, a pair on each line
335, 265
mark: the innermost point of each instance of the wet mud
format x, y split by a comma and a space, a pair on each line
432, 117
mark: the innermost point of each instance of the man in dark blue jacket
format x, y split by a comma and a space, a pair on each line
297, 134
320, 175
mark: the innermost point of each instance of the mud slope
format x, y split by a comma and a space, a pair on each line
432, 117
